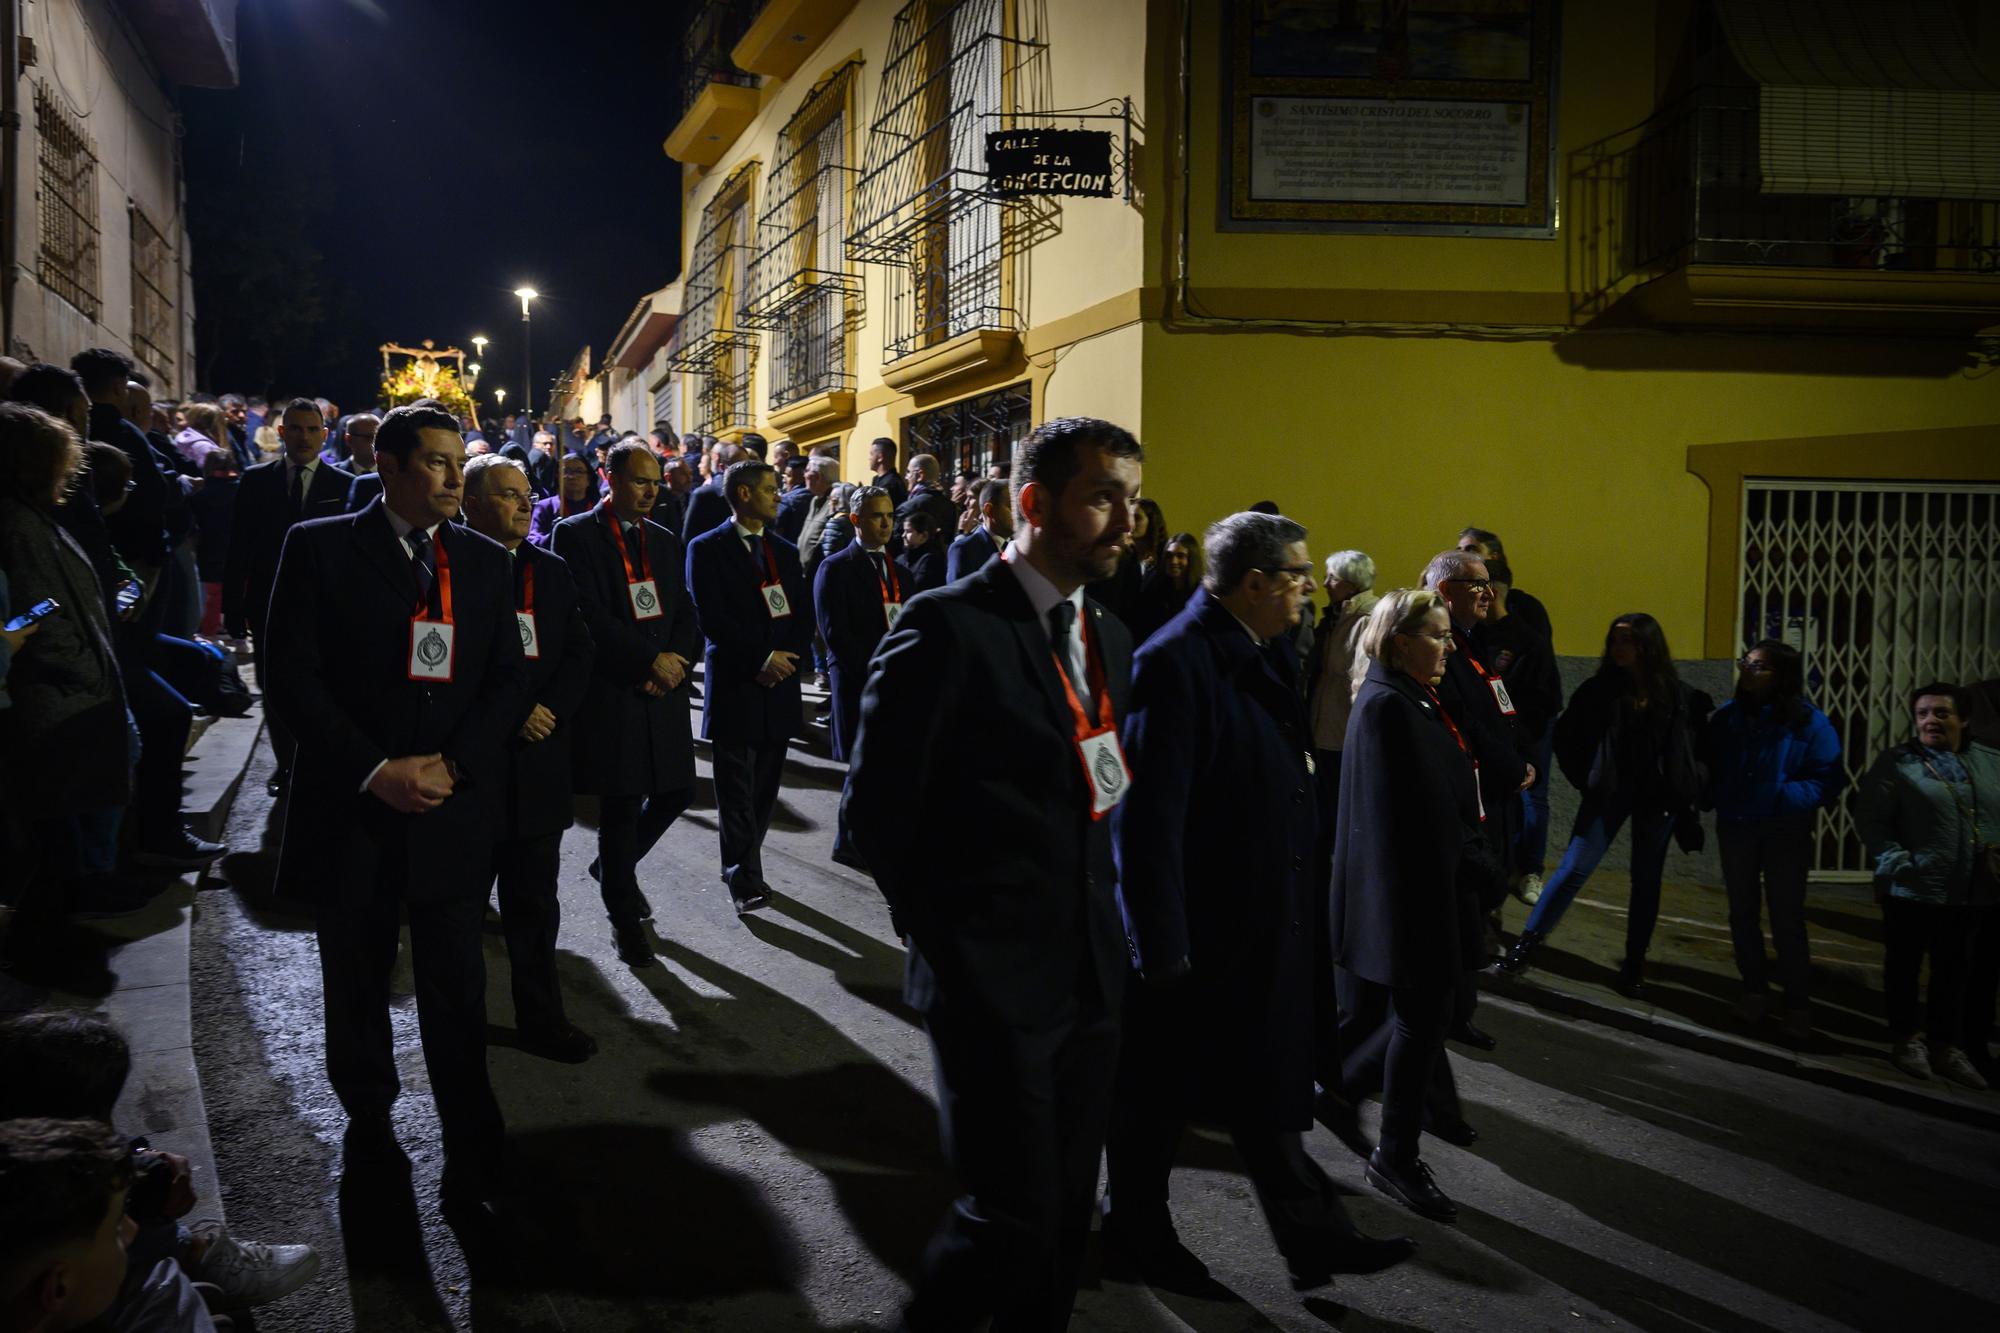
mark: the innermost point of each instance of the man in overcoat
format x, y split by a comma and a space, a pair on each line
398, 788
858, 592
555, 641
1220, 913
634, 742
751, 597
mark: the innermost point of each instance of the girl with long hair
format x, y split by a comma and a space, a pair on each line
1627, 742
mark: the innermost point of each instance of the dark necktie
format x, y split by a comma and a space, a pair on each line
635, 543
1060, 616
757, 552
298, 490
420, 562
881, 567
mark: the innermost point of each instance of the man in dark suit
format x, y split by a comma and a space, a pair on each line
751, 597
1477, 700
926, 496
794, 501
635, 747
398, 785
858, 592
270, 499
364, 490
708, 506
537, 462
1220, 912
996, 525
1017, 957
882, 463
557, 646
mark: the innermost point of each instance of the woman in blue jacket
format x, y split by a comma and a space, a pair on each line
1773, 761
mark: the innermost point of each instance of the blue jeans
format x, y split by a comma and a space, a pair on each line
1532, 847
1596, 825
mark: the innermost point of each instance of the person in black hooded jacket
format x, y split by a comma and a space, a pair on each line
1627, 742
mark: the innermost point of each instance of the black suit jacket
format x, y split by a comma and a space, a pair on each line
629, 743
1497, 741
707, 509
544, 473
538, 772
847, 604
139, 528
970, 552
964, 718
366, 488
741, 636
924, 567
339, 679
257, 528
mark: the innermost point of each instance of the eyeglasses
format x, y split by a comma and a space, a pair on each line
1477, 585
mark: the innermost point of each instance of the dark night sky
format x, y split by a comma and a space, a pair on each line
440, 153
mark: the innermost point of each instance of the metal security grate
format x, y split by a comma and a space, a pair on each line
152, 308
722, 397
1883, 586
716, 280
713, 29
67, 259
971, 435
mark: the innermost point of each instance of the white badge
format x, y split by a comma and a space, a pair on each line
1311, 767
430, 649
1500, 695
892, 612
1104, 768
645, 595
775, 601
531, 641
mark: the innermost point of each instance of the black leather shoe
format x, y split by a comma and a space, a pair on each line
1315, 1263
1518, 956
752, 901
1455, 1132
567, 1043
840, 856
177, 851
1343, 1122
1631, 980
276, 784
1413, 1186
1157, 1259
1467, 1035
634, 949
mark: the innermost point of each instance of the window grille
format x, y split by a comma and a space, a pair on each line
152, 307
973, 434
68, 257
722, 392
800, 286
923, 204
713, 29
716, 281
1883, 586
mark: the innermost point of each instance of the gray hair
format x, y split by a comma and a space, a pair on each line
478, 466
1450, 565
824, 466
1242, 542
1401, 611
861, 495
1352, 567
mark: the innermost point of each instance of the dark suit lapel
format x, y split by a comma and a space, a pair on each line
1033, 639
327, 487
390, 558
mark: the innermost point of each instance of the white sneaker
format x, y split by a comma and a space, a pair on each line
251, 1272
1912, 1057
1954, 1064
1531, 889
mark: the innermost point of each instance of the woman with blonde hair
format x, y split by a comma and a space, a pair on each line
200, 435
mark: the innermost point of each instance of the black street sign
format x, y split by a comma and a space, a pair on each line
1049, 162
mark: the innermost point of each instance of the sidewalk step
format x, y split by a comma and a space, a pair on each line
214, 769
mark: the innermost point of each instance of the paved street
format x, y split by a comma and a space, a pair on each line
755, 1148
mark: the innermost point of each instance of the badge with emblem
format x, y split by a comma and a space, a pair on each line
776, 602
531, 639
430, 649
645, 595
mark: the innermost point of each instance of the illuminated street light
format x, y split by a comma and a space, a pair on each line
479, 344
526, 294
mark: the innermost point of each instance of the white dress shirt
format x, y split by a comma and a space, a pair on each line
1042, 595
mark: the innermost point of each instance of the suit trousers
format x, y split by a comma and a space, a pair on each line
530, 919
1392, 1041
746, 792
1023, 1115
357, 950
627, 829
284, 747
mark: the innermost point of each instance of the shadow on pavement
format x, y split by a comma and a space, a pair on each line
868, 968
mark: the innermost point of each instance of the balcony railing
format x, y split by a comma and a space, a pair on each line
1685, 188
714, 27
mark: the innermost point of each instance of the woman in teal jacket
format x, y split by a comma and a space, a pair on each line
1929, 814
1773, 761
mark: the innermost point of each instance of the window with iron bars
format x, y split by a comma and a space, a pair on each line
971, 435
152, 308
713, 29
67, 259
923, 205
712, 347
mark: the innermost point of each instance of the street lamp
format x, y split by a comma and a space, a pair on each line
500, 397
526, 294
472, 371
479, 344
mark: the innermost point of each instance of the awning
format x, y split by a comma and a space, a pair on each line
1861, 98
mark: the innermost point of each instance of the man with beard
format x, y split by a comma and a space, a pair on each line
996, 525
1017, 957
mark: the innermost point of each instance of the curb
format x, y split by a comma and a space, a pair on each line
1688, 1036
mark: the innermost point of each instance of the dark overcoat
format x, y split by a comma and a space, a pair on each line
707, 510
970, 552
539, 780
1409, 816
339, 679
257, 527
1215, 848
629, 743
742, 635
847, 602
964, 718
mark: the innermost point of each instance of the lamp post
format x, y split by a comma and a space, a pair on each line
472, 374
479, 342
500, 398
526, 294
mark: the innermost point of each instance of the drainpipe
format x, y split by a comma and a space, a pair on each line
10, 162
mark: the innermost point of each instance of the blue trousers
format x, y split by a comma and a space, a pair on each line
1596, 825
1532, 847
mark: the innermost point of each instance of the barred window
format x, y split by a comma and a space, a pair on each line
67, 192
714, 348
801, 288
152, 307
972, 434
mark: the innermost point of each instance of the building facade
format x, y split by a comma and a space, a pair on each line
1618, 284
94, 218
